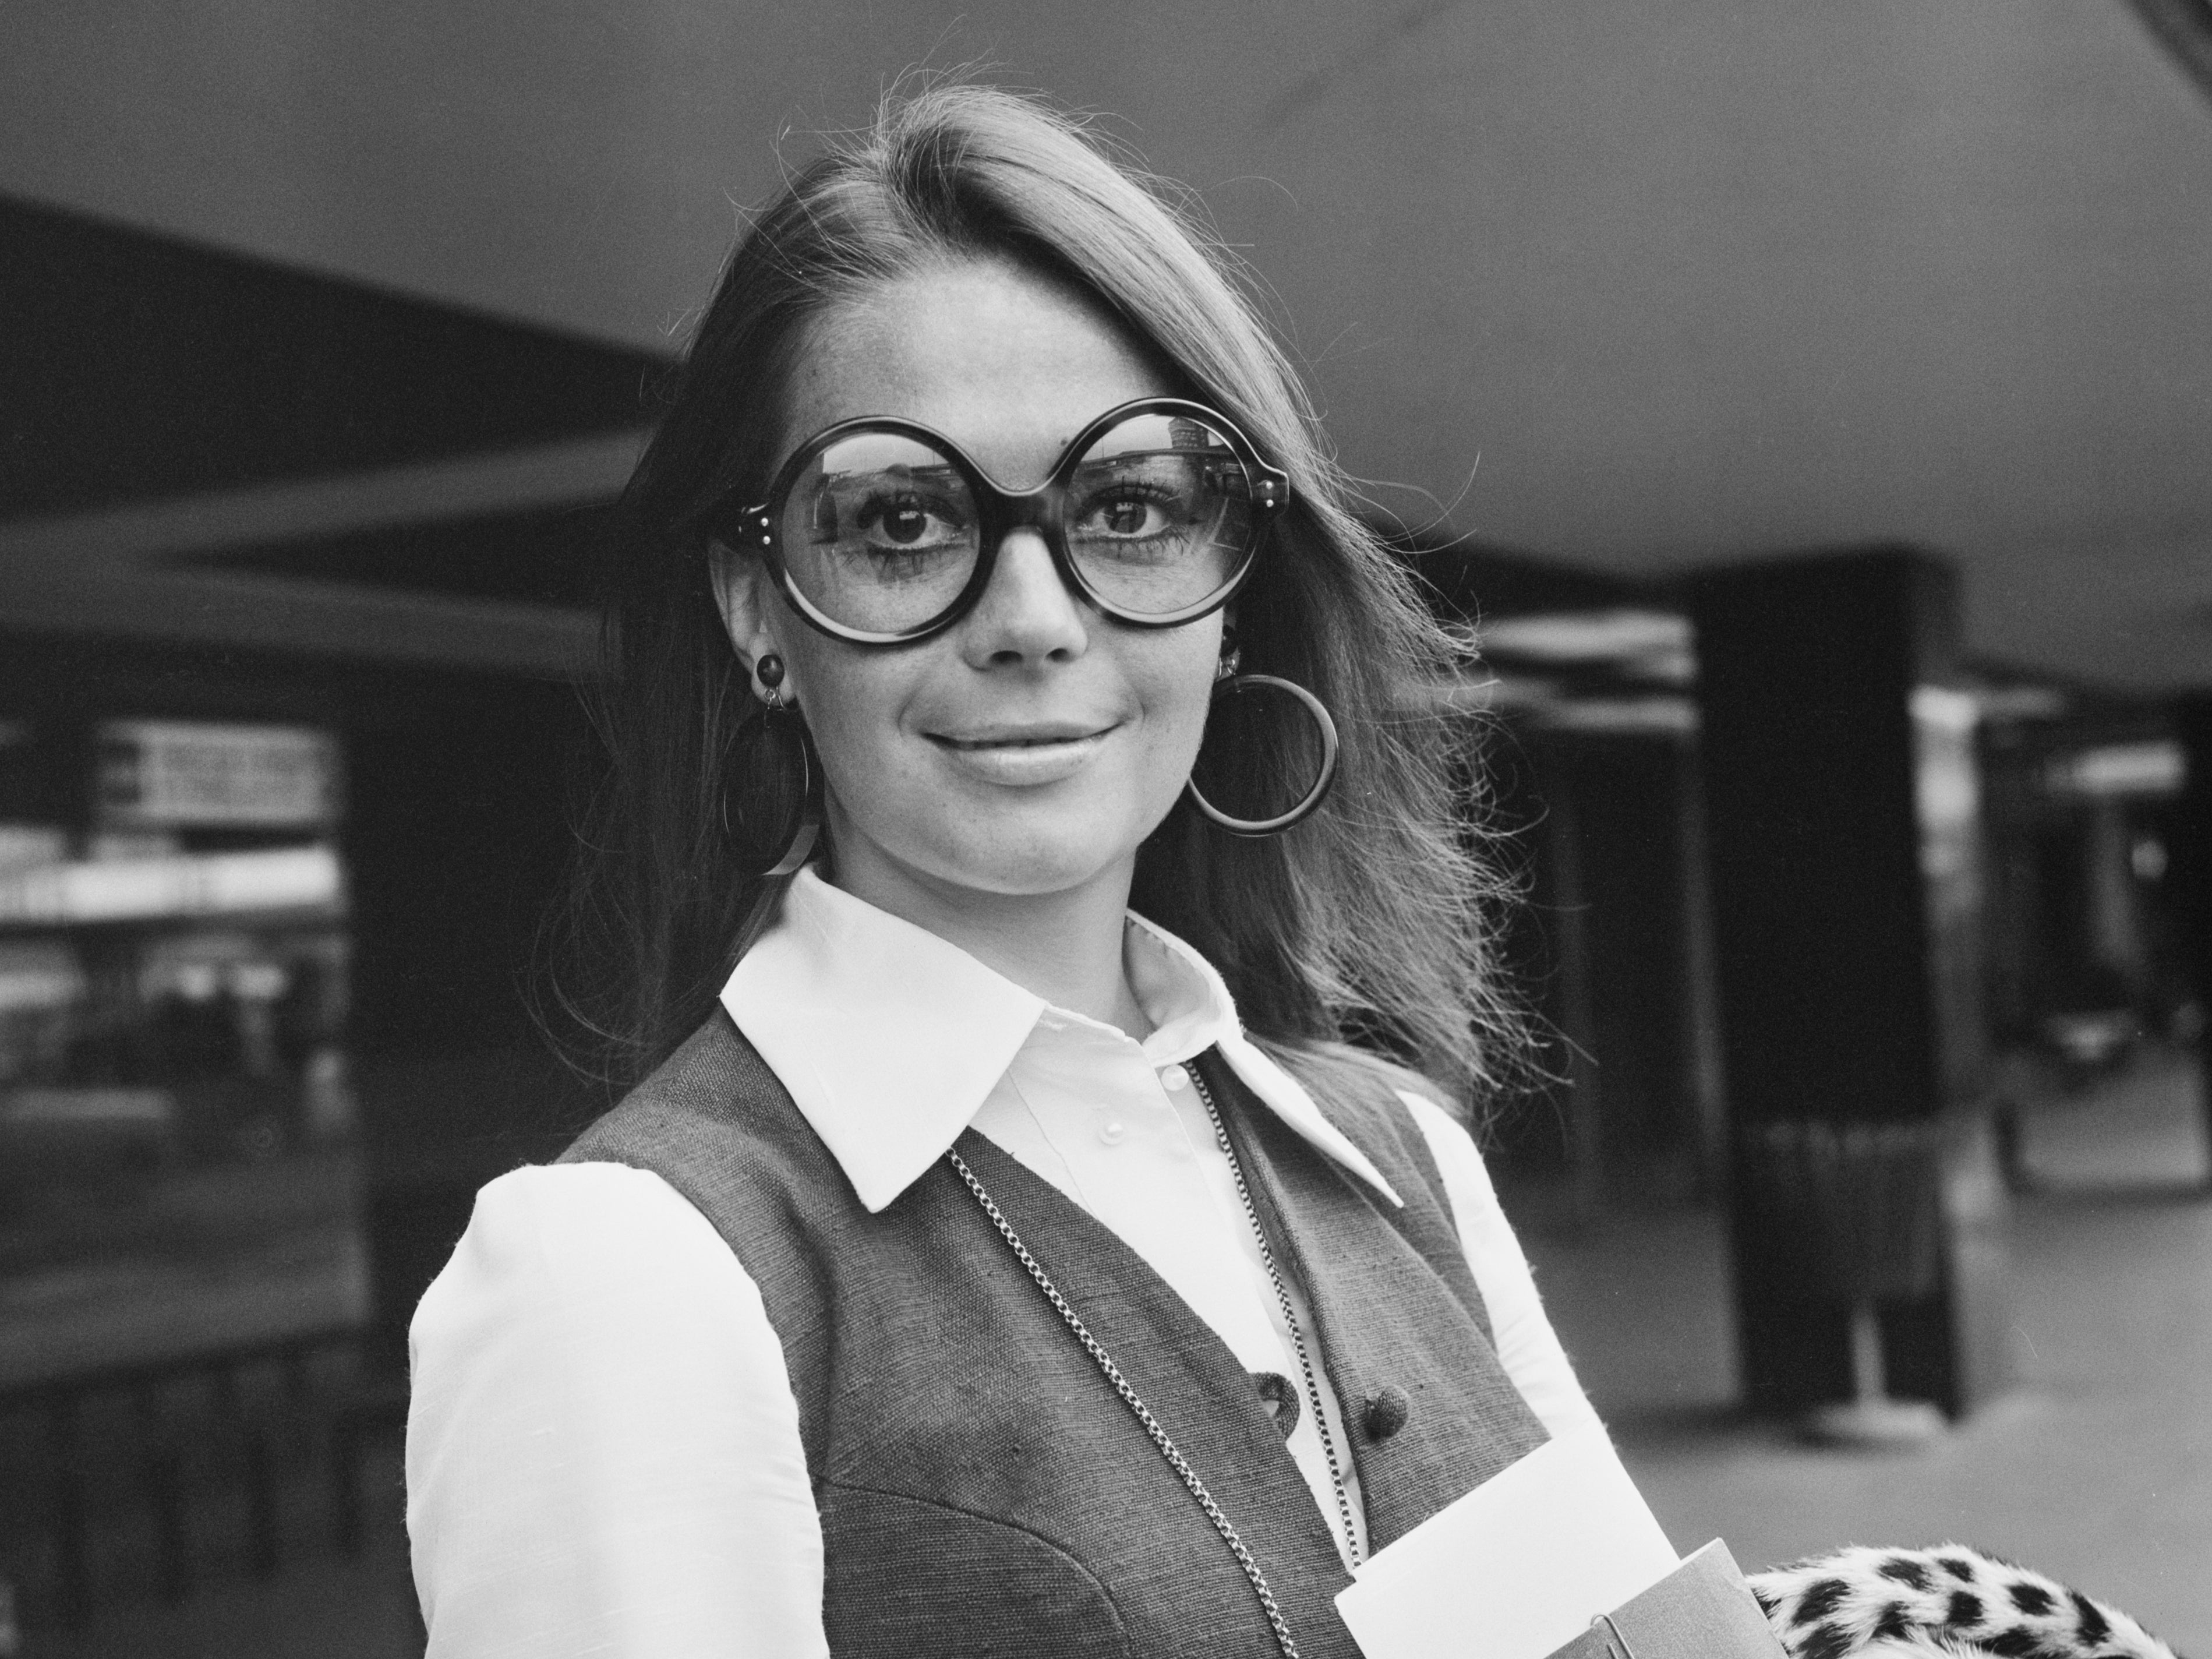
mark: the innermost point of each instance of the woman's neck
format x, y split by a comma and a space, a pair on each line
1064, 946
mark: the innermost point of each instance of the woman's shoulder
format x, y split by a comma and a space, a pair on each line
714, 1085
715, 1125
593, 1374
1359, 1070
1375, 1094
1397, 1116
553, 1231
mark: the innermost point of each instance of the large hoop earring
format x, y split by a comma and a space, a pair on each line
1230, 756
775, 777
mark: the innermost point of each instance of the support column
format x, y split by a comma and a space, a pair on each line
2189, 872
1842, 824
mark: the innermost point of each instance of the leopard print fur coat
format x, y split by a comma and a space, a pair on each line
1948, 1603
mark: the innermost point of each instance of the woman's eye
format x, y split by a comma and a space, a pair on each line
1127, 514
907, 522
1127, 518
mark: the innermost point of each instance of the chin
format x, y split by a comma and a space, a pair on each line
1020, 848
1035, 853
1033, 869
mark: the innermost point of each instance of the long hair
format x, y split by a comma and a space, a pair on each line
1376, 918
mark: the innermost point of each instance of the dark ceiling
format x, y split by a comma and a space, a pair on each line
542, 555
137, 367
2185, 26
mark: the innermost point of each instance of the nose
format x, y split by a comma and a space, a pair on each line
1027, 615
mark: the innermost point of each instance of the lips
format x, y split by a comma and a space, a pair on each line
1024, 756
1020, 736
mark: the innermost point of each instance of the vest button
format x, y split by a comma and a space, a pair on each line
1280, 1399
1386, 1412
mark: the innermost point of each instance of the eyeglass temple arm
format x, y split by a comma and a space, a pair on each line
757, 523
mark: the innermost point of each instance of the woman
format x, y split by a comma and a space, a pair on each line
1004, 1253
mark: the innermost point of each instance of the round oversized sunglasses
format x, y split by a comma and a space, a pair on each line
882, 531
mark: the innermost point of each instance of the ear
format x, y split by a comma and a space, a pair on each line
745, 594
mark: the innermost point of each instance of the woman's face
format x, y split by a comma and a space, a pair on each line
1030, 747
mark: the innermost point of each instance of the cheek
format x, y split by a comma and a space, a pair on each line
1175, 683
851, 704
835, 703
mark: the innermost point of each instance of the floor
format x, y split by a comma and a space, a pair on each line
2098, 1469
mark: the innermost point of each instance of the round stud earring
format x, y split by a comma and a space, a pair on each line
769, 671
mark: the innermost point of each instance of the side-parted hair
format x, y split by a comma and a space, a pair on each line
1376, 918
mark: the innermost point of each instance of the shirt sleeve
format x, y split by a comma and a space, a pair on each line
603, 1450
1526, 1342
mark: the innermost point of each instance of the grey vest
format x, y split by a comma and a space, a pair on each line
981, 1487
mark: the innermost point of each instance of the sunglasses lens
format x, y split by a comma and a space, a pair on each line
1160, 514
879, 532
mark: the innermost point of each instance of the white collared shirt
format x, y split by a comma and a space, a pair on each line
603, 1453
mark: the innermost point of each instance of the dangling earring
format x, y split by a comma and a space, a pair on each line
1246, 756
776, 778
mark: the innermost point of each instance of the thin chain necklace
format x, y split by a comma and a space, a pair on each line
1289, 1319
1143, 1414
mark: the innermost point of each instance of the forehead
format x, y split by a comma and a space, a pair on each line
1008, 364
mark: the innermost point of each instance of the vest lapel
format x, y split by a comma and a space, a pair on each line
1429, 1411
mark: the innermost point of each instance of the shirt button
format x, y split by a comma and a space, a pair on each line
1112, 1130
1174, 1077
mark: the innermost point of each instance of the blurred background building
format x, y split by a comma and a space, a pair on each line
1810, 404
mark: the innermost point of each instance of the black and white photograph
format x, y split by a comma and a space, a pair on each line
1328, 829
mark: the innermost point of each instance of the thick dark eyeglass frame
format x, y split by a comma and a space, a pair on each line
1000, 511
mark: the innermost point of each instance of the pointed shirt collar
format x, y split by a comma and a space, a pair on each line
889, 1039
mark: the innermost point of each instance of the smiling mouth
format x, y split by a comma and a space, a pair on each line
1018, 739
